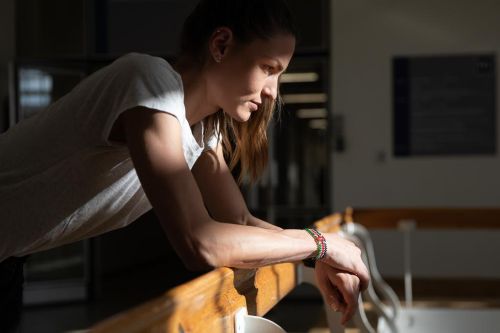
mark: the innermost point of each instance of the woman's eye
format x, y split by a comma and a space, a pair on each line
268, 69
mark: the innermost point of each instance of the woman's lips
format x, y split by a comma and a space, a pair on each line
253, 106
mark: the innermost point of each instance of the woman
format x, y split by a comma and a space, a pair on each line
141, 133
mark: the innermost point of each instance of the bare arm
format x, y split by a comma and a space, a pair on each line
220, 192
154, 141
225, 202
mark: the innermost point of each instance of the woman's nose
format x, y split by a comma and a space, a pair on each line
270, 90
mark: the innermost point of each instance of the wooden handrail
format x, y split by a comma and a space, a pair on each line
428, 218
209, 303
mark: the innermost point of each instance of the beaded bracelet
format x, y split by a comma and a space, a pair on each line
320, 242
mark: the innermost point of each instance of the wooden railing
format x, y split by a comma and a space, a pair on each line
429, 218
209, 303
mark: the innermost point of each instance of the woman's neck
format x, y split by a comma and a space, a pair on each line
196, 96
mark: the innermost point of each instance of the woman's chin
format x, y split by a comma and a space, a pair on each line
240, 116
245, 117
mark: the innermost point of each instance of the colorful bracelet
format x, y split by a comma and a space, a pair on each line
320, 242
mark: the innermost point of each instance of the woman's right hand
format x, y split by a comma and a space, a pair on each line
339, 289
344, 255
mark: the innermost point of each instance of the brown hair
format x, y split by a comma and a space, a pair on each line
245, 144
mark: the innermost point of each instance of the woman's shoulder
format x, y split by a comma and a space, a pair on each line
146, 66
137, 59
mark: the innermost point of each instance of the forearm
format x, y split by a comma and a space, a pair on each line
242, 246
256, 222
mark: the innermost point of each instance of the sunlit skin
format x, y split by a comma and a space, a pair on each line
244, 75
235, 78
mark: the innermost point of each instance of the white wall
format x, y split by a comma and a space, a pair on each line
7, 49
366, 34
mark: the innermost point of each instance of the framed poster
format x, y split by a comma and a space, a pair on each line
444, 105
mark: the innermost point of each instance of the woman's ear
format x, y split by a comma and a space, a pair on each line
220, 40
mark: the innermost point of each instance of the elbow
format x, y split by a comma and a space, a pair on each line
202, 255
196, 261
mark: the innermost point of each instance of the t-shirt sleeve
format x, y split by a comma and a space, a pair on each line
141, 80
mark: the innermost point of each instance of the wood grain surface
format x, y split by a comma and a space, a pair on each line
429, 218
209, 302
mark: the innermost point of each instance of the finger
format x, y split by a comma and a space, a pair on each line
360, 269
333, 283
338, 303
364, 277
334, 300
353, 304
331, 294
349, 287
361, 272
340, 282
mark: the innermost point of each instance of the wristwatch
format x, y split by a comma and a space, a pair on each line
309, 262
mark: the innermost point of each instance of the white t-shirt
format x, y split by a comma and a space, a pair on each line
61, 180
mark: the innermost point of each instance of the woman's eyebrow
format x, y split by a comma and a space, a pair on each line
278, 63
280, 66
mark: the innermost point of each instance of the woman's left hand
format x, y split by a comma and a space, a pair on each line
340, 289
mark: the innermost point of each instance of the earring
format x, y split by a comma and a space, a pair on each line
218, 58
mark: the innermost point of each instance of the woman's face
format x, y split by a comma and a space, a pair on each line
244, 74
